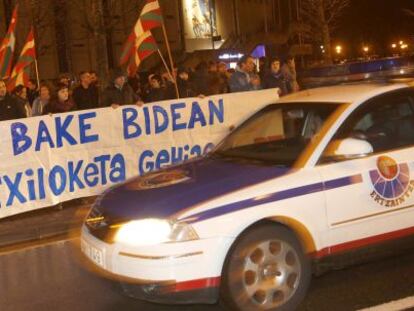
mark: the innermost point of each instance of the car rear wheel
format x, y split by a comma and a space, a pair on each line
265, 270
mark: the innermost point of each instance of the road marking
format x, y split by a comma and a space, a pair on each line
396, 305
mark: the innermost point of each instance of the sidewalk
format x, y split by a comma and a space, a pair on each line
44, 223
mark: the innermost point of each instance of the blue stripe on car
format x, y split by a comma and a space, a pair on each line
274, 197
208, 178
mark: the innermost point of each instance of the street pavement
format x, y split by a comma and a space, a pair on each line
42, 270
47, 223
52, 277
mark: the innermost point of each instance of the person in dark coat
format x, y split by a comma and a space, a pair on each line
185, 88
94, 78
223, 77
32, 91
9, 109
20, 95
86, 95
275, 78
119, 92
60, 101
201, 79
157, 91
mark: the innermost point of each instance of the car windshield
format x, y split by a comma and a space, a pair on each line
277, 134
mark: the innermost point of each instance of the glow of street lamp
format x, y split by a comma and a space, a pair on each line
404, 46
393, 45
338, 49
401, 42
365, 49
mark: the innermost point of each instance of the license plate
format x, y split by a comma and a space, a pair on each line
93, 253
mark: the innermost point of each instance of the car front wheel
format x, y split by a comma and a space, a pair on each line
266, 270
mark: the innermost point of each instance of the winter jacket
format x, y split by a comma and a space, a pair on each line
240, 82
119, 96
9, 109
86, 98
273, 80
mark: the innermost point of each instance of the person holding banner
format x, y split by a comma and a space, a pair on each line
157, 91
240, 81
185, 88
119, 93
275, 78
41, 102
9, 108
20, 95
86, 95
61, 101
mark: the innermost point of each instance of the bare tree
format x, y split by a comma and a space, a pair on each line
43, 25
321, 18
99, 18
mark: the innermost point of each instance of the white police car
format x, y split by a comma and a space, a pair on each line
319, 173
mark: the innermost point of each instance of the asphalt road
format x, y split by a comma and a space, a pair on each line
50, 277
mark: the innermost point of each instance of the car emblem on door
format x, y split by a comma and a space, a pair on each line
391, 182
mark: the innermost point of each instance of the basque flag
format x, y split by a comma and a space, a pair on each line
21, 70
144, 47
150, 18
7, 47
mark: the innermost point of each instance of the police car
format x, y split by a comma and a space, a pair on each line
319, 173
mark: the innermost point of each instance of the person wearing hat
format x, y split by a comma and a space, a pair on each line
119, 92
60, 101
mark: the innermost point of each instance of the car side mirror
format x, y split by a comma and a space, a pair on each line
346, 149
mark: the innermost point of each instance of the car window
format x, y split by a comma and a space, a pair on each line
386, 122
278, 134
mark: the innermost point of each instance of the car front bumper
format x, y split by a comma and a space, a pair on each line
185, 272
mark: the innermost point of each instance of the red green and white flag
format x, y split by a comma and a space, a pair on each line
21, 70
7, 47
150, 18
145, 45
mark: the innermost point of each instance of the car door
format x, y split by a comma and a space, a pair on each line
370, 198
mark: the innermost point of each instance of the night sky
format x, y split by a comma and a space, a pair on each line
377, 23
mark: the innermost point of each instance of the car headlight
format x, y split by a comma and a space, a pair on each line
154, 231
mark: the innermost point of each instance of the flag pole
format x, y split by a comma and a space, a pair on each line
35, 47
165, 64
37, 74
167, 44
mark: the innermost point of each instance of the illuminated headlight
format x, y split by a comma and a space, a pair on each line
154, 231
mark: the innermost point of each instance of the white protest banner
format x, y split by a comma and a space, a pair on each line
50, 159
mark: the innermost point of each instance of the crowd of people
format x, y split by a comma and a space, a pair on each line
207, 78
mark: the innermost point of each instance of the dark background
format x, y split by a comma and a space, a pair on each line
377, 23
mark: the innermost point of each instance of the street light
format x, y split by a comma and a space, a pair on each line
393, 45
365, 49
338, 49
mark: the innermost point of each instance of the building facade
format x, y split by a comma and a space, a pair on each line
76, 35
